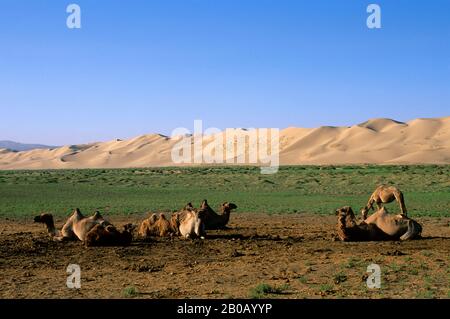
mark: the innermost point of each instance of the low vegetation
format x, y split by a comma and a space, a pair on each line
314, 189
265, 290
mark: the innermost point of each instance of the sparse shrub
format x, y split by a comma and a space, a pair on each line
265, 289
340, 277
130, 292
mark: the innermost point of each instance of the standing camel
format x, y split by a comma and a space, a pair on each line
382, 195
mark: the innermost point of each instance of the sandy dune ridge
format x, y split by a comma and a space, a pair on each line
377, 141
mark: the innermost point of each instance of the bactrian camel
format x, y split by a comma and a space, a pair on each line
78, 227
156, 226
212, 219
379, 226
189, 222
382, 195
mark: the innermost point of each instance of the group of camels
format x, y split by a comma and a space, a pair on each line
191, 222
380, 225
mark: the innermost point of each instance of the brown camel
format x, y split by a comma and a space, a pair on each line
382, 195
379, 226
154, 226
102, 235
94, 230
147, 227
192, 225
76, 227
178, 217
212, 219
189, 222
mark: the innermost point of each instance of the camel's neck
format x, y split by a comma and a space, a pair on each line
347, 227
225, 215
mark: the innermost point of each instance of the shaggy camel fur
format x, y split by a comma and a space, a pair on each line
382, 195
192, 224
147, 227
154, 226
76, 227
212, 219
189, 222
102, 235
379, 226
93, 231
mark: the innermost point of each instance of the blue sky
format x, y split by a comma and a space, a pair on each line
138, 67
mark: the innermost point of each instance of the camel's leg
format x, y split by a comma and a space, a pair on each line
62, 238
401, 201
414, 230
379, 205
366, 209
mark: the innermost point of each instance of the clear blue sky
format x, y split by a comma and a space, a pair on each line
138, 67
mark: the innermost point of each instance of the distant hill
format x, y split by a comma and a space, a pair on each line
376, 141
19, 147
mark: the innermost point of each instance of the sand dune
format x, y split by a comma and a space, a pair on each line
376, 141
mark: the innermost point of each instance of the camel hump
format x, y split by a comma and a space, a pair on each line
204, 204
97, 215
162, 216
77, 213
189, 206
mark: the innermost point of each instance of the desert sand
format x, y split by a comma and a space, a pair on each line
377, 141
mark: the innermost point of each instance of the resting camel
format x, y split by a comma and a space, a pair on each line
379, 226
147, 226
102, 235
192, 225
382, 195
154, 226
189, 222
79, 227
212, 219
76, 227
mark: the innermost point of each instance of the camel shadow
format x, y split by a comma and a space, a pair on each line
236, 236
432, 237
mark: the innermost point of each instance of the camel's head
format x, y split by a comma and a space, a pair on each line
44, 218
228, 207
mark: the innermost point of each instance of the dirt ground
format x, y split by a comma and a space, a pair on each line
294, 254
